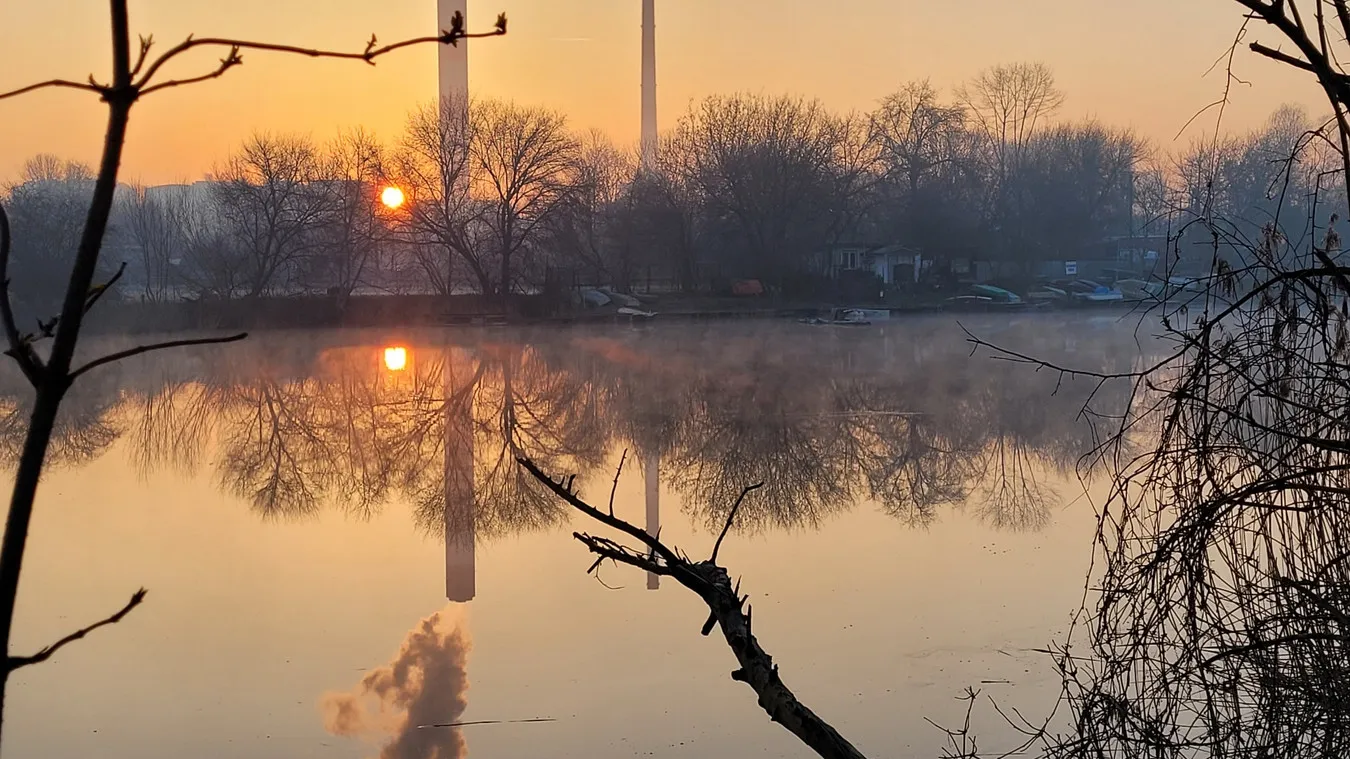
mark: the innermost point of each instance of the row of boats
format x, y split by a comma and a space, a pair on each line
1073, 292
1050, 294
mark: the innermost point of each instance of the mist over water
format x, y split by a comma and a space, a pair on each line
295, 505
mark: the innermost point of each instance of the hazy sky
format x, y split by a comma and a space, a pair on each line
1135, 62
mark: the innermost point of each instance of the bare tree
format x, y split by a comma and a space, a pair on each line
432, 166
916, 134
350, 227
521, 163
583, 231
46, 209
133, 77
156, 222
659, 213
924, 152
1076, 184
1007, 104
269, 201
765, 170
1155, 200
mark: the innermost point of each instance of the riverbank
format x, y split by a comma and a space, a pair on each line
438, 310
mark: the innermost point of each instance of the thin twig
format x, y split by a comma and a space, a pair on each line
228, 62
145, 84
731, 517
614, 489
15, 662
98, 292
570, 497
138, 350
147, 41
88, 86
450, 36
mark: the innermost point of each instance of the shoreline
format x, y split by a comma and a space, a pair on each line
420, 311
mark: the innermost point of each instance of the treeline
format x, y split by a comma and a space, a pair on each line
502, 198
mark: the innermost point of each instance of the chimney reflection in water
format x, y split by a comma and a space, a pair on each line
460, 578
652, 478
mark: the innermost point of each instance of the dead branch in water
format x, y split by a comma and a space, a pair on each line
726, 607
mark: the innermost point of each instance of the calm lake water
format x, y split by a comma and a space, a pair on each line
339, 547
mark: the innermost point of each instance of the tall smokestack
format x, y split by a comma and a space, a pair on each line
649, 131
454, 59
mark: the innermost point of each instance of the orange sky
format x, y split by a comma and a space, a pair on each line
1135, 62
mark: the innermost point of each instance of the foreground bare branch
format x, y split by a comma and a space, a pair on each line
57, 83
725, 605
15, 662
372, 51
140, 79
139, 349
52, 379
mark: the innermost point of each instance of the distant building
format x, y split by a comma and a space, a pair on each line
892, 264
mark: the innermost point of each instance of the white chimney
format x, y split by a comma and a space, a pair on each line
454, 60
649, 130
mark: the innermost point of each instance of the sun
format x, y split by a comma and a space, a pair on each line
391, 197
396, 358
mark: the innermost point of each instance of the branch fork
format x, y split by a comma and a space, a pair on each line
727, 609
140, 79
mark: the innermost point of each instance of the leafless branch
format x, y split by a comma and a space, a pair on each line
15, 662
95, 293
1282, 57
562, 489
614, 489
1264, 645
145, 84
1005, 354
138, 350
372, 51
605, 548
712, 584
147, 41
89, 86
232, 59
731, 518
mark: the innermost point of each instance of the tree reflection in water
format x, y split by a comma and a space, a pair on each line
898, 415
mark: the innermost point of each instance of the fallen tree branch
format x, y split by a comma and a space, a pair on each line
562, 489
712, 583
15, 662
